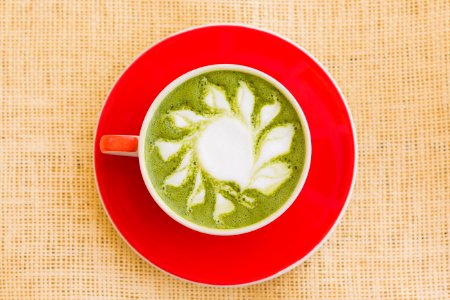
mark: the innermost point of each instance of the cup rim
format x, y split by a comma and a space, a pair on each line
151, 111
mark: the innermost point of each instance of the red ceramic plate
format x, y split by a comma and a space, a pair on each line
258, 255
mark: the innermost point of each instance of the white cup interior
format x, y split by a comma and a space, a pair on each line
151, 112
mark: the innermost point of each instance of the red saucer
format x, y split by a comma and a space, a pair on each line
251, 257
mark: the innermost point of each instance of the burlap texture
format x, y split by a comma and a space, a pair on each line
58, 60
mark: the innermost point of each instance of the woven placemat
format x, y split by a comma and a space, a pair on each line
58, 60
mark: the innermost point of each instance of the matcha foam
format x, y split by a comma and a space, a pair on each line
225, 149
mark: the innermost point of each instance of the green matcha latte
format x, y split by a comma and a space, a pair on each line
225, 149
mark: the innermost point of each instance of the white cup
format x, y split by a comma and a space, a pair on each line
129, 145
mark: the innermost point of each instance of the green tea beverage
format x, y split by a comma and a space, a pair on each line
225, 149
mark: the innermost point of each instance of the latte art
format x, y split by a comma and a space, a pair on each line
223, 154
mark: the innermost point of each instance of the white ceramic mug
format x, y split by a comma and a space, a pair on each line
129, 145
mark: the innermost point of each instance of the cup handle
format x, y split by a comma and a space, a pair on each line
122, 145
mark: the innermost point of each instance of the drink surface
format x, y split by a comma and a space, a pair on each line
225, 149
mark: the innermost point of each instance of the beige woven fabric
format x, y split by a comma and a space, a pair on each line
58, 60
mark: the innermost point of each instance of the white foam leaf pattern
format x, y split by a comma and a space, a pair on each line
223, 206
245, 102
185, 118
277, 142
217, 99
268, 113
269, 178
181, 173
167, 149
198, 193
226, 149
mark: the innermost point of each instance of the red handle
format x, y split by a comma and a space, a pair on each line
124, 145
